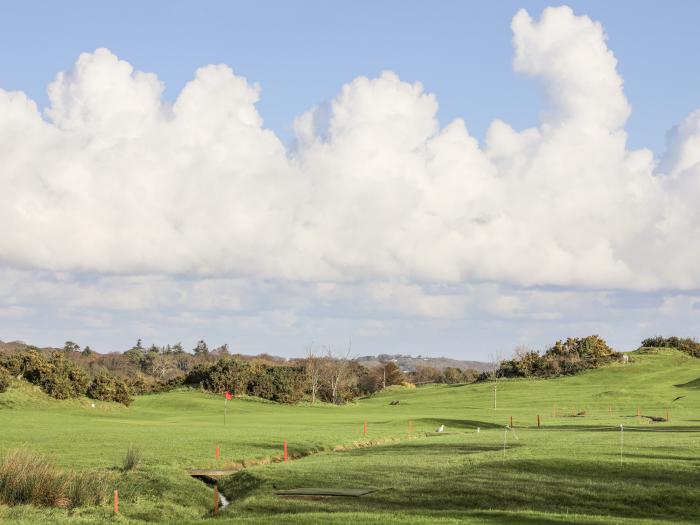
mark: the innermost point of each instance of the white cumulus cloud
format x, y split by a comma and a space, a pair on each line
112, 180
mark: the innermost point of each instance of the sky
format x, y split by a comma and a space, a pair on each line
434, 178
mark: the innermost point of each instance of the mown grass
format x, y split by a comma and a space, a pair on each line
569, 471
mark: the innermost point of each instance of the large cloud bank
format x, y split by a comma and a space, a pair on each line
114, 180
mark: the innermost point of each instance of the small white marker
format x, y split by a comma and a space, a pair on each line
478, 429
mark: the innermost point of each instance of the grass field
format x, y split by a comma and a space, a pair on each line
568, 471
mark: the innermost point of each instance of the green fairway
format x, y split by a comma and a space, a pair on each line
568, 471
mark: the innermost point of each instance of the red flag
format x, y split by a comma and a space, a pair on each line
228, 395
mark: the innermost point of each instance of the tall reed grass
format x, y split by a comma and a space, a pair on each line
131, 459
32, 478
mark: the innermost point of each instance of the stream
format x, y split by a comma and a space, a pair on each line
212, 482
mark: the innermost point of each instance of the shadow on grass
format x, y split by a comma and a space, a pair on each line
695, 384
616, 428
508, 518
602, 488
662, 457
459, 423
430, 449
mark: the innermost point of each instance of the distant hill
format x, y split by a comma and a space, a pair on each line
409, 363
18, 346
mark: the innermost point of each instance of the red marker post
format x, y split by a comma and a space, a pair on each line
364, 427
285, 450
216, 454
116, 502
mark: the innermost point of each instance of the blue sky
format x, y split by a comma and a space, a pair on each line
301, 52
362, 207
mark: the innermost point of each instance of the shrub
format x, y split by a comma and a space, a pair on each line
227, 374
31, 478
57, 376
684, 344
142, 384
4, 380
562, 358
109, 388
131, 459
283, 384
13, 363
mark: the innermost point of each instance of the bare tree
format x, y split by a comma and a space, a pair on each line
314, 365
336, 368
160, 365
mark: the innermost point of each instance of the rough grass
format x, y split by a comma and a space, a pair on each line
568, 471
31, 478
132, 458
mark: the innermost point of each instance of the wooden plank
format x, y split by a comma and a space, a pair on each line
211, 472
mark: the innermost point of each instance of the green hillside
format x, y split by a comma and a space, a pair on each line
568, 471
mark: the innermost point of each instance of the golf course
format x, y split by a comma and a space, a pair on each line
591, 460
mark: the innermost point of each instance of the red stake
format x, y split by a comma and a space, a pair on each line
116, 502
216, 454
285, 450
364, 427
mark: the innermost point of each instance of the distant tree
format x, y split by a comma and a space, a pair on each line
335, 372
426, 374
201, 349
393, 374
221, 351
70, 346
452, 375
160, 365
134, 355
183, 361
87, 351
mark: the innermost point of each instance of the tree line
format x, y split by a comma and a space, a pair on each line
322, 375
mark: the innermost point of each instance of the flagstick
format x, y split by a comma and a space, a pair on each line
225, 409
